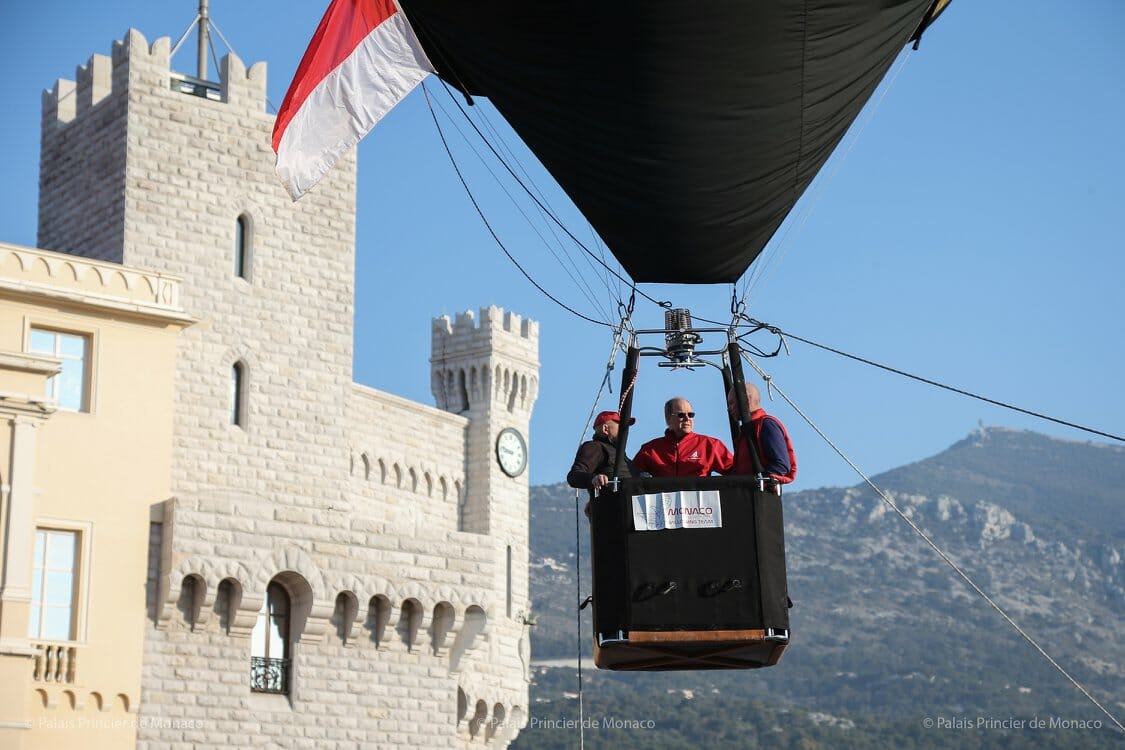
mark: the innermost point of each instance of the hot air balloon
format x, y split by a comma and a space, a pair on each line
684, 133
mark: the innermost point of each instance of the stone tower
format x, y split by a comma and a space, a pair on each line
401, 555
490, 374
141, 167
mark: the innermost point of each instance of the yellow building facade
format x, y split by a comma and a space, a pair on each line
87, 359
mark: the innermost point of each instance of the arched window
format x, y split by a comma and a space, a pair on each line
238, 394
269, 644
463, 390
378, 615
242, 237
462, 506
191, 599
344, 616
227, 598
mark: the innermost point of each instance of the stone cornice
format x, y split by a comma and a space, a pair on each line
35, 273
15, 405
33, 363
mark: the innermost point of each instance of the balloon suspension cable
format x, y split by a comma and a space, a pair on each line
554, 244
607, 381
737, 307
618, 340
738, 310
625, 310
547, 211
1039, 415
755, 327
491, 231
886, 498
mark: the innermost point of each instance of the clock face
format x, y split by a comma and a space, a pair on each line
511, 452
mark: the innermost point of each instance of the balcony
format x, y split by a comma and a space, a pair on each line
269, 675
55, 662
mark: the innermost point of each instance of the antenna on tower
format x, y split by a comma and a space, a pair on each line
205, 26
198, 85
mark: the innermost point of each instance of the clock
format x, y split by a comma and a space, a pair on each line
511, 452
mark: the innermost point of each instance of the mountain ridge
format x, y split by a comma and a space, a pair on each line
1023, 470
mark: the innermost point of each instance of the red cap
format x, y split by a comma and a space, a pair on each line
610, 416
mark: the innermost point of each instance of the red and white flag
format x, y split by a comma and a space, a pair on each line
363, 60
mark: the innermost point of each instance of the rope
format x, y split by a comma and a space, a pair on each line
618, 334
570, 265
625, 391
576, 276
778, 332
578, 612
771, 386
605, 380
488, 226
545, 209
555, 243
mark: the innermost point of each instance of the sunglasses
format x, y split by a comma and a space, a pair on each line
684, 414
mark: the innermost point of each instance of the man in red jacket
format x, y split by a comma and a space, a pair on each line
683, 452
769, 438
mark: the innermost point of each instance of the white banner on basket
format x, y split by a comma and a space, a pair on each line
688, 509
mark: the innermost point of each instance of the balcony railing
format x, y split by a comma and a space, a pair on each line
269, 675
197, 87
55, 662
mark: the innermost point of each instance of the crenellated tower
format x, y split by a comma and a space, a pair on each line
146, 166
489, 372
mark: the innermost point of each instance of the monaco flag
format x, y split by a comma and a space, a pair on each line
362, 60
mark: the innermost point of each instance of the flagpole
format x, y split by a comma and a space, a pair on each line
204, 24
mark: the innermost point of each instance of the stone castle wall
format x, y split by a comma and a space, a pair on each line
402, 640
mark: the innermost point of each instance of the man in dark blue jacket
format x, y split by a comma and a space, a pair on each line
775, 450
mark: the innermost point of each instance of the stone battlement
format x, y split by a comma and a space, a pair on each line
102, 77
461, 373
464, 334
491, 319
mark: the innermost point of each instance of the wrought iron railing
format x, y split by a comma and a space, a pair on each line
55, 662
269, 675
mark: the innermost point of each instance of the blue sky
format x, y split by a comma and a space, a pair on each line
970, 230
